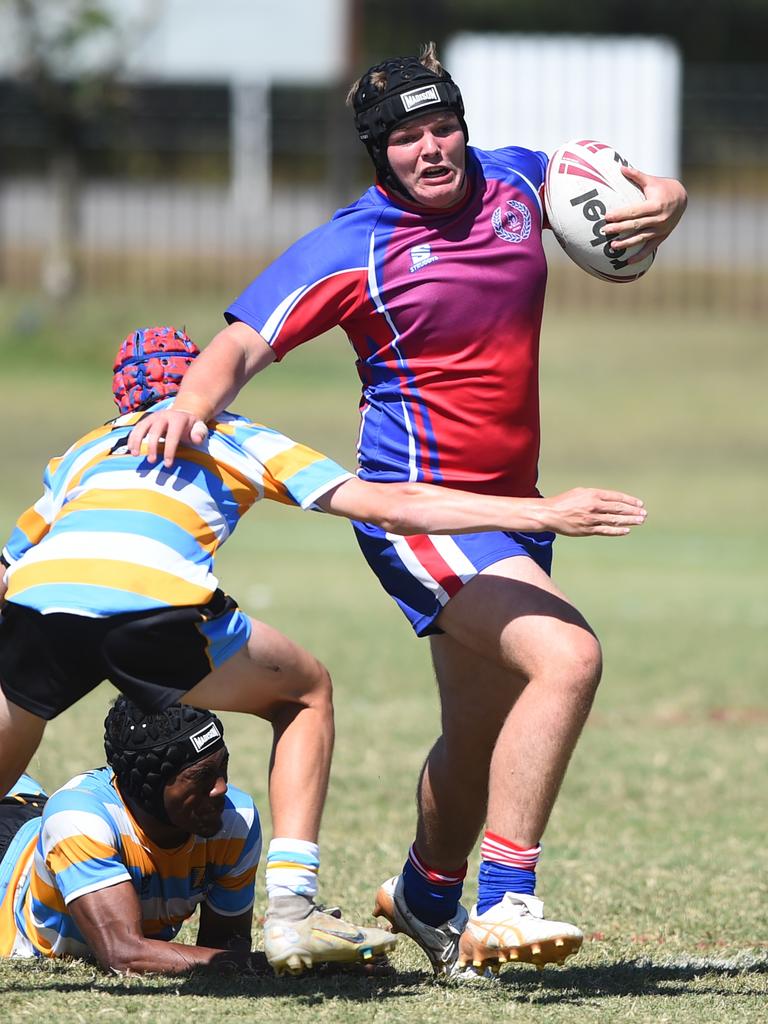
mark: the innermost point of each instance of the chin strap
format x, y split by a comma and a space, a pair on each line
411, 90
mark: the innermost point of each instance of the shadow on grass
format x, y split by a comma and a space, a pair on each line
352, 986
638, 977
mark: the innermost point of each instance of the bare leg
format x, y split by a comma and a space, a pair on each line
20, 735
517, 671
277, 680
453, 789
517, 668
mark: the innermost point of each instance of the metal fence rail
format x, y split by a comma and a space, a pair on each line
157, 208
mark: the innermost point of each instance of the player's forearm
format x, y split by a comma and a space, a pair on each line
152, 956
425, 509
580, 512
411, 508
214, 379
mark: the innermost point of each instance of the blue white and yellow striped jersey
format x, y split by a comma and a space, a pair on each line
113, 533
88, 840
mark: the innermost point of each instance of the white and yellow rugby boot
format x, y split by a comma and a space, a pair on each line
298, 934
516, 931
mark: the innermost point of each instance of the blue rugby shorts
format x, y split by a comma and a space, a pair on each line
423, 572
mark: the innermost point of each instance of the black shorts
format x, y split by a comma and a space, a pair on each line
48, 662
15, 811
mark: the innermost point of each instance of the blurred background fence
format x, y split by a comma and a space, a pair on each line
157, 184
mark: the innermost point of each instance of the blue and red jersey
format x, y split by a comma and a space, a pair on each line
443, 309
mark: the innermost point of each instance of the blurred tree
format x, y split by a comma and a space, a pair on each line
70, 58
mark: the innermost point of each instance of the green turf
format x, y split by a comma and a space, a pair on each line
657, 845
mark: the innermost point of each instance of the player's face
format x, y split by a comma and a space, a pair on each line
428, 156
194, 799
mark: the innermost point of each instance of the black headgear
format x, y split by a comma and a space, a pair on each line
146, 749
411, 90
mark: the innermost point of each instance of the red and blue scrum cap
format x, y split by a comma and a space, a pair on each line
150, 365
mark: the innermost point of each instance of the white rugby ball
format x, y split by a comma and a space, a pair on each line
583, 183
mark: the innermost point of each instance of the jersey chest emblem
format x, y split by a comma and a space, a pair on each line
421, 256
514, 224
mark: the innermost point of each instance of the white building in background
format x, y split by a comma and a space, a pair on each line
538, 91
531, 90
248, 45
205, 40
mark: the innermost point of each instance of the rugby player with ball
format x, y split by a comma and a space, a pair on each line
437, 275
587, 183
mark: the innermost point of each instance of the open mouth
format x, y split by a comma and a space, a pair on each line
435, 173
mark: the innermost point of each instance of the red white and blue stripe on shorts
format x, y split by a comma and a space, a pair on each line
423, 572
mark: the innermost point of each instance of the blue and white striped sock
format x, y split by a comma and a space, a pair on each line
292, 866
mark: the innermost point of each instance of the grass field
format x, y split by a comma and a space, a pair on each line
657, 845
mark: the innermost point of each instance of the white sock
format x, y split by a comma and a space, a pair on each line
292, 866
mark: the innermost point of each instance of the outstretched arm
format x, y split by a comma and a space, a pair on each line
409, 508
110, 922
651, 219
234, 356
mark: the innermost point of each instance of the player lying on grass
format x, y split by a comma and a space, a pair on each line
110, 575
114, 863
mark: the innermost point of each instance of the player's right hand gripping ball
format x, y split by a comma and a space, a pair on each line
583, 183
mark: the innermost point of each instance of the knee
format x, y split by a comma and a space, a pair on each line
573, 663
583, 666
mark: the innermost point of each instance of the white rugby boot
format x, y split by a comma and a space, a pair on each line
516, 931
441, 944
298, 934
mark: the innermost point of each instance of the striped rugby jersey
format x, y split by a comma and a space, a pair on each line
443, 309
114, 534
88, 840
